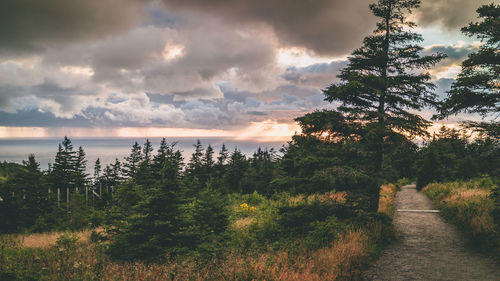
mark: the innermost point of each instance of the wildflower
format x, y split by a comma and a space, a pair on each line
253, 208
244, 206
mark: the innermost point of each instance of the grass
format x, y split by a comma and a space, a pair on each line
469, 205
73, 256
84, 260
386, 201
46, 240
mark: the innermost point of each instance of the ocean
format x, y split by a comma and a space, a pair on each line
107, 149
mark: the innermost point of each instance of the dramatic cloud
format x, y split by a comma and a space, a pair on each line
32, 25
450, 14
331, 27
450, 66
198, 64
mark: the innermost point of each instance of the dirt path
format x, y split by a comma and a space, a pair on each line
428, 248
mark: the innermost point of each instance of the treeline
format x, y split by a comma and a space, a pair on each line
155, 202
453, 155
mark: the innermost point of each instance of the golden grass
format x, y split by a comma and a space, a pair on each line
386, 200
461, 194
338, 197
46, 240
467, 204
243, 223
325, 264
88, 262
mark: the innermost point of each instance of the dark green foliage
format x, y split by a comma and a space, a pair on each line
262, 169
152, 226
382, 82
144, 174
64, 169
235, 170
206, 218
451, 156
81, 176
477, 87
132, 162
495, 195
24, 197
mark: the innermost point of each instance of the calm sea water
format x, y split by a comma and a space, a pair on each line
16, 150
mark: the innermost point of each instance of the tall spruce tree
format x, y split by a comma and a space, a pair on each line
223, 156
161, 156
383, 81
145, 173
97, 170
235, 171
63, 170
195, 164
81, 176
477, 87
154, 227
146, 150
132, 162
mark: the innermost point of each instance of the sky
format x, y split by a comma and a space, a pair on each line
232, 68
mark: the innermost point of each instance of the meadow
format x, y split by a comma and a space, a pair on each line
332, 249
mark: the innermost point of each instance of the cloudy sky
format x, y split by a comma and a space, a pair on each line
190, 67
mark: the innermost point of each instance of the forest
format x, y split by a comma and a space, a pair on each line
275, 215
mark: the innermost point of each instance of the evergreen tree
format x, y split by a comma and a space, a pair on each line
112, 174
24, 197
64, 168
208, 158
145, 175
196, 162
81, 176
206, 222
223, 155
477, 87
261, 171
132, 162
97, 170
235, 171
146, 151
161, 156
382, 82
153, 229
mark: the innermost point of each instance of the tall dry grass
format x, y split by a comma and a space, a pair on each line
87, 261
386, 200
342, 258
46, 240
469, 206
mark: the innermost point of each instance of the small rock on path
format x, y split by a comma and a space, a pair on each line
428, 248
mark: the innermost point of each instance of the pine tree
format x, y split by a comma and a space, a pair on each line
261, 171
35, 193
208, 161
223, 155
383, 81
81, 176
97, 170
235, 171
132, 162
64, 169
196, 161
145, 175
477, 87
146, 151
153, 229
160, 157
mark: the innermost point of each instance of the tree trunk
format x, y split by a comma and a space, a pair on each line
381, 129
